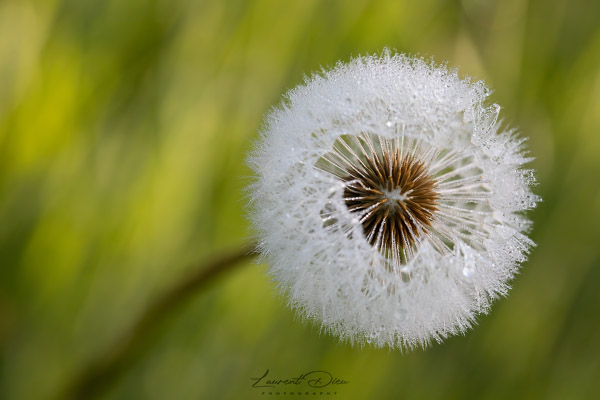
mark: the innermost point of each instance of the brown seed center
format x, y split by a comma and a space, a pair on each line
390, 189
395, 196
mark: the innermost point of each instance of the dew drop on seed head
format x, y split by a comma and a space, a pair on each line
469, 269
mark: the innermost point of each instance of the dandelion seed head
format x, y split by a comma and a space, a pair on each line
389, 200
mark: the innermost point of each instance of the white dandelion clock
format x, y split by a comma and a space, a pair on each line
389, 200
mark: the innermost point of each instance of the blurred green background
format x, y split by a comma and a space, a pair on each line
124, 127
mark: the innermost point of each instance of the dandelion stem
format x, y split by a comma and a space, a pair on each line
98, 375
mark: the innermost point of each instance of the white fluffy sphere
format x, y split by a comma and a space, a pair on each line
388, 200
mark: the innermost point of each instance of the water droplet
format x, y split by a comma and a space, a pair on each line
468, 272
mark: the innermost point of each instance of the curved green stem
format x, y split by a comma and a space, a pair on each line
107, 367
